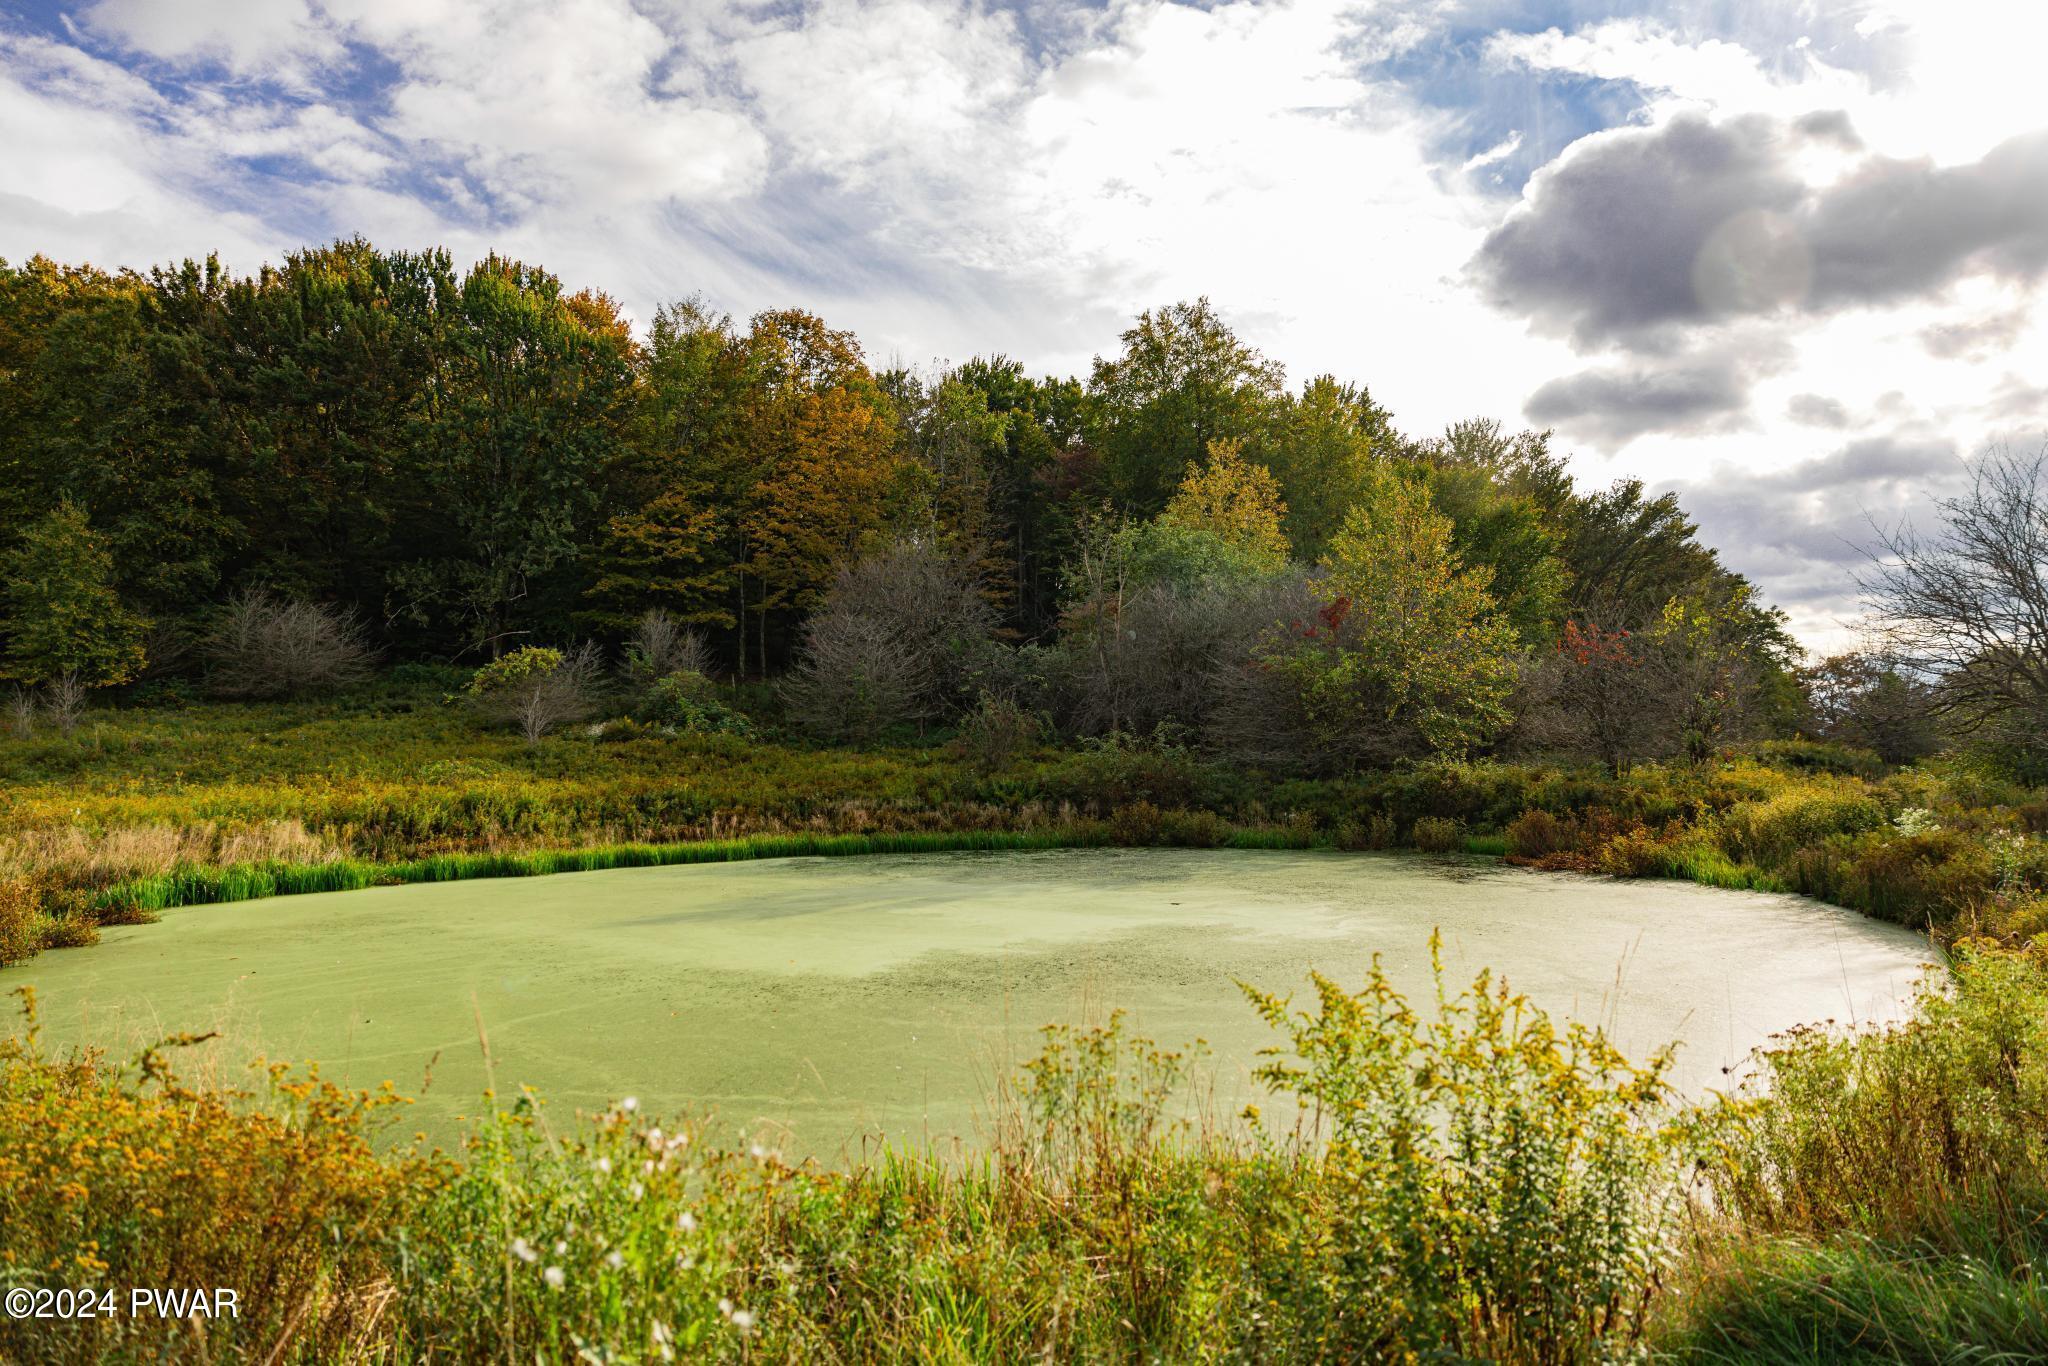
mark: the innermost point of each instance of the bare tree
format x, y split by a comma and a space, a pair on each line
21, 710
1180, 653
662, 646
263, 646
64, 699
1965, 608
903, 637
538, 689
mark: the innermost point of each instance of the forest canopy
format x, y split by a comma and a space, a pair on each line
459, 463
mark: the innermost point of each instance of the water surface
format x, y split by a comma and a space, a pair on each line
818, 1000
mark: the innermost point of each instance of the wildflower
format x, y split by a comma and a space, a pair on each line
561, 1246
636, 1190
725, 1308
613, 1260
604, 1165
523, 1250
554, 1277
687, 1222
742, 1320
630, 1104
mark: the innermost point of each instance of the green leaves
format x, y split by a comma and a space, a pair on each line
61, 613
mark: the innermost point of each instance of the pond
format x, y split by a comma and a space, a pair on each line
815, 1002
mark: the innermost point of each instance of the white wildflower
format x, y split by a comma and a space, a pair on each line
523, 1250
554, 1277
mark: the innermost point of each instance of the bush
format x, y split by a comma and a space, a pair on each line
661, 647
1919, 880
1769, 832
689, 702
260, 646
1536, 834
993, 734
18, 904
1495, 1188
536, 688
1820, 756
1438, 835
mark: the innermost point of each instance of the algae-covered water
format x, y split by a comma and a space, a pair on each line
819, 1001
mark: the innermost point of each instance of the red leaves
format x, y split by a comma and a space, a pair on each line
1587, 646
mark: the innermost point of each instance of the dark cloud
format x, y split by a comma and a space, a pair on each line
1605, 241
1635, 233
1803, 531
1614, 406
1813, 410
1897, 229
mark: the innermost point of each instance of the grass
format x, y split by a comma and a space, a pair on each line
147, 808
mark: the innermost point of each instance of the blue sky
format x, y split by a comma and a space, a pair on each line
1782, 256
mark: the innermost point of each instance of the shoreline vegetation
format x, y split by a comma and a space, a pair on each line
153, 808
1477, 1180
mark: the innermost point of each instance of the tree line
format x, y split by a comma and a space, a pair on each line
460, 463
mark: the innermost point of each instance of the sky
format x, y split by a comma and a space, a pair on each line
1783, 257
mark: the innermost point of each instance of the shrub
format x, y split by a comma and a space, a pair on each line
1536, 833
1821, 756
261, 646
1769, 832
1438, 835
898, 640
21, 711
689, 702
662, 646
993, 734
1496, 1188
18, 903
1916, 880
1136, 823
64, 699
536, 688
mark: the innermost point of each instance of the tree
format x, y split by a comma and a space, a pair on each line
522, 422
1322, 451
1409, 655
64, 622
1183, 380
822, 437
1864, 700
1596, 695
263, 646
1234, 500
1965, 607
901, 638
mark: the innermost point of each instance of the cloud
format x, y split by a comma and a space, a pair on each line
1635, 232
1815, 410
1805, 529
1614, 406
